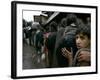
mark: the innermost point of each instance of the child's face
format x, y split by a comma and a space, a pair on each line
82, 41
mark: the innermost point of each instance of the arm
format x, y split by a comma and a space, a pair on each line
68, 55
84, 56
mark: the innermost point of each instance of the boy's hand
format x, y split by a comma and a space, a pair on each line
66, 53
84, 56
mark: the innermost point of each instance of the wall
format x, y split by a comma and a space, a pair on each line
5, 39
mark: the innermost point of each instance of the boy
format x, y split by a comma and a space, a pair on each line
83, 43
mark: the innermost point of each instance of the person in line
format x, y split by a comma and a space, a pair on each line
51, 40
83, 43
65, 38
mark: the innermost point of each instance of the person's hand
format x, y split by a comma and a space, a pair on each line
67, 54
84, 56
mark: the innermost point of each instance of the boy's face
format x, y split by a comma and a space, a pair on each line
82, 41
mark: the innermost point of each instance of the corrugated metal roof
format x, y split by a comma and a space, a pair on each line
52, 17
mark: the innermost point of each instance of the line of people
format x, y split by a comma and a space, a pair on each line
65, 44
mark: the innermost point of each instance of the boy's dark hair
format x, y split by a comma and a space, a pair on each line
85, 30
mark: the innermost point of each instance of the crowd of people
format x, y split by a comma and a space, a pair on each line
64, 44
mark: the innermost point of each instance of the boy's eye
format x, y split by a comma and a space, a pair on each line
82, 37
76, 37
